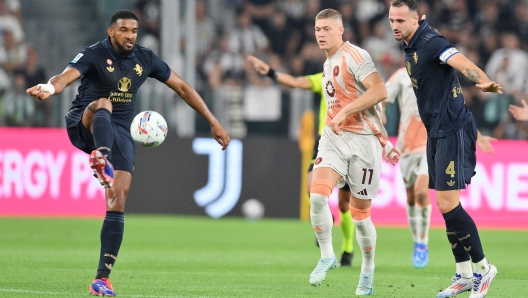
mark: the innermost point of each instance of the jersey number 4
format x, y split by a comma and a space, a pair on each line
450, 170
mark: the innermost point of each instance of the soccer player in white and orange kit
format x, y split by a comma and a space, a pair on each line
412, 142
351, 146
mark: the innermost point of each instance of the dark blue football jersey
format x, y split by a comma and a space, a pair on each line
440, 99
106, 74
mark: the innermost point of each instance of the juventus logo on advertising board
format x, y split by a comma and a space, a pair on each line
224, 182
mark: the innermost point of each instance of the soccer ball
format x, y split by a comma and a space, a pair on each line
253, 209
148, 129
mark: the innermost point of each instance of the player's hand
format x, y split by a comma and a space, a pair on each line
490, 87
484, 143
391, 154
519, 113
220, 135
37, 92
259, 65
336, 122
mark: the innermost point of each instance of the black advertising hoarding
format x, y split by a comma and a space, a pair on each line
194, 176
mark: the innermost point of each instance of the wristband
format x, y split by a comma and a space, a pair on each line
47, 88
272, 74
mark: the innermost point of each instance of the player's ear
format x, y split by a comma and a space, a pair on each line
109, 31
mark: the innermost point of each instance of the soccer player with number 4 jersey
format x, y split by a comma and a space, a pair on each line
431, 63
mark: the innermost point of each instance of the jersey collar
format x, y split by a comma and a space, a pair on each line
423, 24
115, 55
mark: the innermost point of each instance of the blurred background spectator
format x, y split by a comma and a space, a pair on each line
493, 33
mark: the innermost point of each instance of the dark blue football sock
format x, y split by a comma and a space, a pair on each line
111, 237
461, 255
103, 131
466, 232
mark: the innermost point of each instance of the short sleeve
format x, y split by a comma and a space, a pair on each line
316, 80
83, 61
160, 70
436, 46
362, 69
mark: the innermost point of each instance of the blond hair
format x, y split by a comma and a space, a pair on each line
329, 14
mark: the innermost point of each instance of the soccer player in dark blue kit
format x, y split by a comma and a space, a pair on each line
431, 62
98, 122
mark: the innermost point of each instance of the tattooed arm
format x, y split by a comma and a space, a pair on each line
472, 72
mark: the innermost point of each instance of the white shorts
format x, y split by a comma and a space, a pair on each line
357, 158
412, 166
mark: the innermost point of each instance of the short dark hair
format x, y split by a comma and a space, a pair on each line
123, 14
413, 6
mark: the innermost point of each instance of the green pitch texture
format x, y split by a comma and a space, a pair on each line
164, 256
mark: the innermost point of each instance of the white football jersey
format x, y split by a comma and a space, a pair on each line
342, 83
412, 136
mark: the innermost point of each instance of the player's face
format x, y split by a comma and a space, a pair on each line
329, 33
403, 22
123, 35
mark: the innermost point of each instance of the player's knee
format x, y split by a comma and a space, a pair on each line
103, 103
422, 198
323, 187
318, 202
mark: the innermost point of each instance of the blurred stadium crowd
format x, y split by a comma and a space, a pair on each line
492, 33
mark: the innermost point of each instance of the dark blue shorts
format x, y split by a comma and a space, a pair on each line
452, 159
123, 148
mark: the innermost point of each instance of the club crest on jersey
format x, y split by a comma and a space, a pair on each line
108, 61
336, 70
330, 90
138, 70
124, 84
408, 66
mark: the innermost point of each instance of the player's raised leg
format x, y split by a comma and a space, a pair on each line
347, 227
323, 182
96, 118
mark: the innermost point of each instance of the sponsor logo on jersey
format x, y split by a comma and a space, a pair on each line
330, 90
124, 84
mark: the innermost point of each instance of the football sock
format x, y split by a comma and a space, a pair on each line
464, 269
423, 219
366, 238
103, 131
322, 223
348, 231
411, 217
111, 237
466, 231
458, 251
481, 267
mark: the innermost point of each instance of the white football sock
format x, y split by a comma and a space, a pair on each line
464, 269
366, 238
411, 217
322, 223
423, 220
481, 267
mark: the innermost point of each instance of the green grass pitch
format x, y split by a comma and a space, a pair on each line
183, 256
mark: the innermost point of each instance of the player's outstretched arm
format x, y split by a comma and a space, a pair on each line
55, 85
195, 101
484, 143
376, 92
282, 78
519, 113
474, 73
